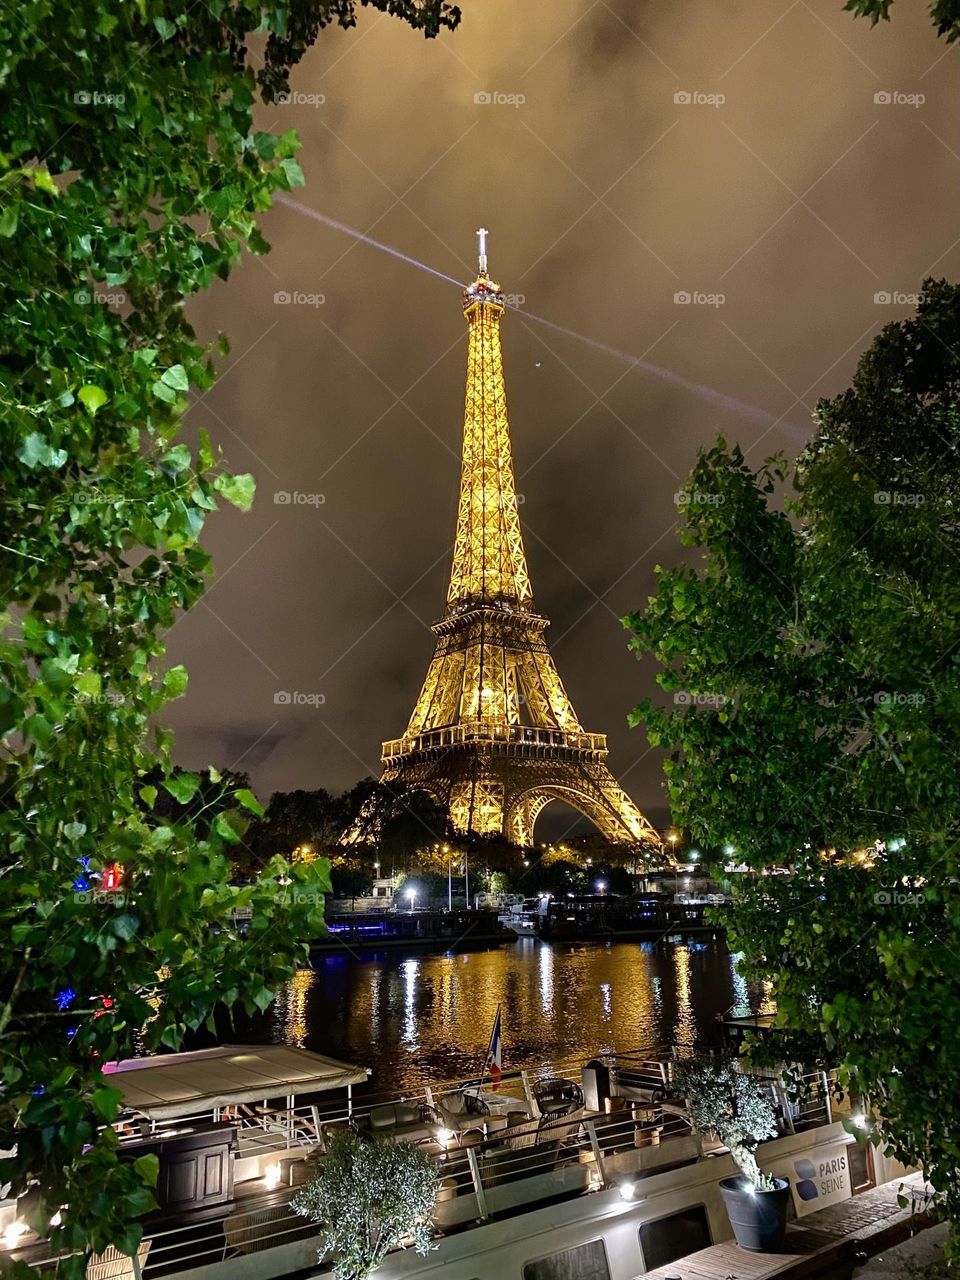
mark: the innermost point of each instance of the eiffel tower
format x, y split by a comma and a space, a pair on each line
493, 737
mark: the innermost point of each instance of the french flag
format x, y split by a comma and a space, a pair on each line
495, 1052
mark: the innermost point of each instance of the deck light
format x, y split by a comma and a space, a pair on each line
445, 1136
13, 1232
627, 1190
271, 1176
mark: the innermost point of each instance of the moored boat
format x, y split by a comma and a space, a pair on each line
564, 1169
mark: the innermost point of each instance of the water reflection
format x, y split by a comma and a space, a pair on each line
416, 1019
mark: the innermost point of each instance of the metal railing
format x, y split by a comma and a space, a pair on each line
494, 731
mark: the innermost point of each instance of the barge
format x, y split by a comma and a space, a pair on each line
588, 1170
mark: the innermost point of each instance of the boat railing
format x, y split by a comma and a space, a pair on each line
510, 1157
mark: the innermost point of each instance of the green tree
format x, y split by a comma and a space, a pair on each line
130, 178
297, 818
350, 882
944, 14
812, 656
370, 1197
735, 1107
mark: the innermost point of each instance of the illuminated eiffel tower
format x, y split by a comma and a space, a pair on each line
493, 737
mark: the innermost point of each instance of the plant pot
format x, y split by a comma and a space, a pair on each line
758, 1218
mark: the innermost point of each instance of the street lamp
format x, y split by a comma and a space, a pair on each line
411, 898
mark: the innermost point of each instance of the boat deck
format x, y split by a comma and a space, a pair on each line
821, 1243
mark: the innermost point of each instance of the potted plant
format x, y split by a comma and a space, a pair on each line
724, 1101
369, 1197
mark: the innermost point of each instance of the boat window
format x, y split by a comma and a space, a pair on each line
677, 1236
583, 1262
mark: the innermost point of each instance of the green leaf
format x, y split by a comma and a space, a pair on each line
178, 458
148, 1168
92, 398
9, 218
106, 1101
262, 998
249, 801
176, 377
125, 926
230, 826
89, 684
238, 490
182, 786
175, 682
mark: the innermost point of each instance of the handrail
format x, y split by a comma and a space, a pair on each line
495, 731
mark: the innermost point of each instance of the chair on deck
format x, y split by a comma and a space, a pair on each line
461, 1111
556, 1096
114, 1265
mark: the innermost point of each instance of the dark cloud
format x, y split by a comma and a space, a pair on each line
798, 199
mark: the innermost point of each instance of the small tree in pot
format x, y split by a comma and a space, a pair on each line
724, 1101
370, 1197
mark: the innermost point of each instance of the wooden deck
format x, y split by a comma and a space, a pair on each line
821, 1243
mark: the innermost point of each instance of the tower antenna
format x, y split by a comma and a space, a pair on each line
482, 248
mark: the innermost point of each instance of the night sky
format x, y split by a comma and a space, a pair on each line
798, 198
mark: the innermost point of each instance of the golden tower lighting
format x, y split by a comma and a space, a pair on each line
493, 737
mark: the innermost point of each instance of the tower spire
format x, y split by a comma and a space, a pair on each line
482, 234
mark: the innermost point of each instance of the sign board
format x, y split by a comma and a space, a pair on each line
817, 1177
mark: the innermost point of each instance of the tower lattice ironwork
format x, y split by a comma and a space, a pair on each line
493, 737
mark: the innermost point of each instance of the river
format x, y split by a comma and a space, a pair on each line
416, 1018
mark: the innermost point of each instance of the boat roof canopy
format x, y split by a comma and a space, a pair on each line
182, 1084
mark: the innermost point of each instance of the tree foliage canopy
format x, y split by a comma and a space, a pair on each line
131, 177
813, 658
369, 1197
724, 1101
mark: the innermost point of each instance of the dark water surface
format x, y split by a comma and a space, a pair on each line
420, 1018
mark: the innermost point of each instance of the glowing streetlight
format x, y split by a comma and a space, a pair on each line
411, 897
601, 886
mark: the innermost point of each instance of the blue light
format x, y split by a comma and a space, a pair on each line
65, 998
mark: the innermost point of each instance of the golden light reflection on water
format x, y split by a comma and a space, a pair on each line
416, 1019
291, 1007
